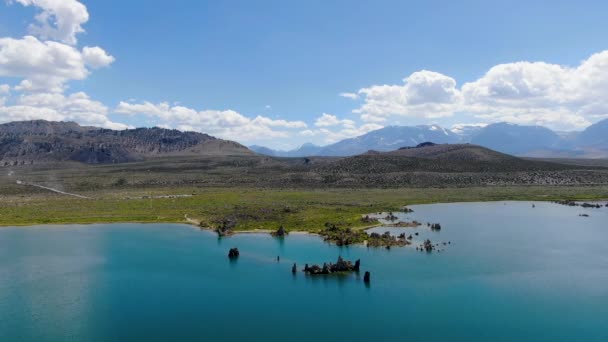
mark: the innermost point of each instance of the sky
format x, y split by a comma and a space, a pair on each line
282, 73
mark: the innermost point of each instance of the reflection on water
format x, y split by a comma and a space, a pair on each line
512, 272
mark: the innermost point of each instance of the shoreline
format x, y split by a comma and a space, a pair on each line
188, 221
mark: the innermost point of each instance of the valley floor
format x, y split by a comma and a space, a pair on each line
251, 208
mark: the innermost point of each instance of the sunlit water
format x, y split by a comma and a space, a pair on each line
511, 272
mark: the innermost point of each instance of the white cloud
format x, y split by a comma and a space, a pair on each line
96, 57
46, 66
58, 20
331, 129
279, 123
352, 96
540, 93
58, 107
423, 94
227, 124
4, 88
329, 120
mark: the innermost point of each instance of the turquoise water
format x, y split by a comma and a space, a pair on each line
511, 272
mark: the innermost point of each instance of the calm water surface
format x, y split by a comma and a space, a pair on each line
511, 272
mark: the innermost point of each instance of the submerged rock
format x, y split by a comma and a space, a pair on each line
233, 253
435, 226
367, 277
428, 245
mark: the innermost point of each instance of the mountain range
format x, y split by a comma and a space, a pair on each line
35, 142
519, 140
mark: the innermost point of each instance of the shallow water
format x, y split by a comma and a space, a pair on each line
511, 272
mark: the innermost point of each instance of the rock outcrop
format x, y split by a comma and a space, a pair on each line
435, 226
577, 204
39, 141
340, 266
233, 253
387, 240
281, 232
428, 245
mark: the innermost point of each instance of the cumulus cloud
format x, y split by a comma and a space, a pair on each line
47, 65
59, 20
329, 120
77, 107
96, 57
423, 94
331, 129
45, 61
539, 93
226, 124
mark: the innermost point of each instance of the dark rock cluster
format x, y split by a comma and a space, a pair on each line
386, 240
233, 253
405, 224
435, 226
225, 226
429, 246
391, 217
571, 203
328, 268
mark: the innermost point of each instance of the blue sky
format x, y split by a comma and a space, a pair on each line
216, 66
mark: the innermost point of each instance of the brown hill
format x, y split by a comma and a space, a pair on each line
35, 142
438, 158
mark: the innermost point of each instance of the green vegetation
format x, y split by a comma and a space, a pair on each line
254, 208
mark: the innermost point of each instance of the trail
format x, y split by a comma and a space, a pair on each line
192, 221
51, 189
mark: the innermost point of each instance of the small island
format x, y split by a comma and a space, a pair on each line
341, 266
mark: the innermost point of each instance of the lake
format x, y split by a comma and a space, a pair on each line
510, 272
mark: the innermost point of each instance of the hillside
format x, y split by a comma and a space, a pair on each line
438, 158
36, 142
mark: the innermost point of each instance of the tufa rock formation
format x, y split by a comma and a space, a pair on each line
367, 277
233, 253
339, 267
281, 232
